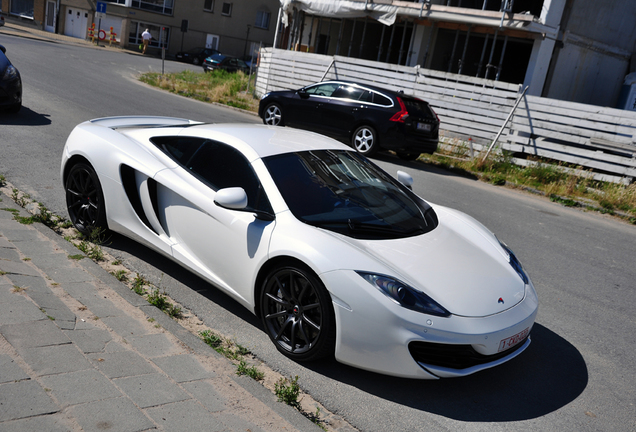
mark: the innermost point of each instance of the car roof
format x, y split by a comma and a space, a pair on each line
253, 140
366, 86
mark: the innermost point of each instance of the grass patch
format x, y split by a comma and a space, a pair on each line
287, 391
250, 371
218, 86
160, 301
120, 275
77, 257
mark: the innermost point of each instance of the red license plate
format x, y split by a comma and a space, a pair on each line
513, 340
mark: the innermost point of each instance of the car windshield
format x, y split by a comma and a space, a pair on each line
344, 192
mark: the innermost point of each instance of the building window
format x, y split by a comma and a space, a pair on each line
160, 6
227, 9
121, 2
262, 19
208, 5
22, 8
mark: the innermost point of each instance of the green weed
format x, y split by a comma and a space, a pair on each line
250, 371
288, 391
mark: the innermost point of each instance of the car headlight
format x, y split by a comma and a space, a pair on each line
404, 295
10, 73
515, 263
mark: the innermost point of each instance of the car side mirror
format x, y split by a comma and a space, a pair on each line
233, 198
303, 93
405, 179
3, 49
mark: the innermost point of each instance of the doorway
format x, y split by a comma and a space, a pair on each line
76, 23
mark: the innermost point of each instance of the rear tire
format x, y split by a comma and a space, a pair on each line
365, 140
85, 199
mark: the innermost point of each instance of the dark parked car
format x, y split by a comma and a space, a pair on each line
366, 117
196, 55
230, 64
10, 84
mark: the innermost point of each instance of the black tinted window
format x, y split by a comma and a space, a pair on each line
381, 99
216, 164
348, 92
322, 89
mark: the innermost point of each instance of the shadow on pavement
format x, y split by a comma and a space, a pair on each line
550, 374
423, 166
24, 117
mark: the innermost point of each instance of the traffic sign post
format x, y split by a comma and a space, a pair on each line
100, 11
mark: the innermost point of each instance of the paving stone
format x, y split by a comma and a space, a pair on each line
205, 393
182, 368
236, 423
53, 305
102, 307
151, 390
154, 345
79, 290
31, 283
113, 415
34, 334
69, 275
9, 254
24, 399
188, 416
19, 235
90, 341
121, 364
18, 267
8, 295
47, 260
54, 359
10, 371
48, 423
80, 387
34, 248
20, 311
125, 326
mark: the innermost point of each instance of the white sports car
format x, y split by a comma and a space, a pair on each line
335, 256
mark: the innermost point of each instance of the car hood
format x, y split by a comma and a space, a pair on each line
460, 264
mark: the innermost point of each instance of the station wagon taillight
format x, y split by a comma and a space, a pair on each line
402, 114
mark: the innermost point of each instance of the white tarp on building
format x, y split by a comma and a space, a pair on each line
384, 13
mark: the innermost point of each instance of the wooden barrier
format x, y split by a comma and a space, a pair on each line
594, 138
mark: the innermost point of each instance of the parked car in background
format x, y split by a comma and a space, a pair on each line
196, 55
227, 63
10, 84
366, 117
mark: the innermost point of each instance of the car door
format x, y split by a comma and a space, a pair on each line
224, 246
340, 113
303, 109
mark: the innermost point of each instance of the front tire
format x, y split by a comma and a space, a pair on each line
297, 314
273, 115
365, 140
85, 199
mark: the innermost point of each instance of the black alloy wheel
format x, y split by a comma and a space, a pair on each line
365, 140
297, 314
84, 199
196, 61
273, 115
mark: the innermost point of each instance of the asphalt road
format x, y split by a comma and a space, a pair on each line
579, 372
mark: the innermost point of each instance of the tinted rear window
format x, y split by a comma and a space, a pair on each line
417, 107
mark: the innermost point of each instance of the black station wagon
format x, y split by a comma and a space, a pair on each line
366, 117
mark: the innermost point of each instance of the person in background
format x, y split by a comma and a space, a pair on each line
146, 36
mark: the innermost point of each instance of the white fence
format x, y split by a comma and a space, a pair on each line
594, 138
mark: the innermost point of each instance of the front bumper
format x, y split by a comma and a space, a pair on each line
375, 334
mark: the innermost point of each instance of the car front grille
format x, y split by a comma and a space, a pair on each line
454, 356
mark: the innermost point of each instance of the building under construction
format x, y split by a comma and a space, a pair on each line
575, 50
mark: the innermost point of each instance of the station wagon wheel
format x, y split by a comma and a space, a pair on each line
297, 314
365, 140
85, 199
273, 115
196, 61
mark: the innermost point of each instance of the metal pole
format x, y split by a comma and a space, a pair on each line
450, 63
505, 123
483, 53
381, 43
342, 22
492, 52
461, 62
428, 45
364, 32
388, 52
503, 51
353, 32
402, 43
280, 10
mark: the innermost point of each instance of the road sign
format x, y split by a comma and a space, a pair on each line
100, 7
